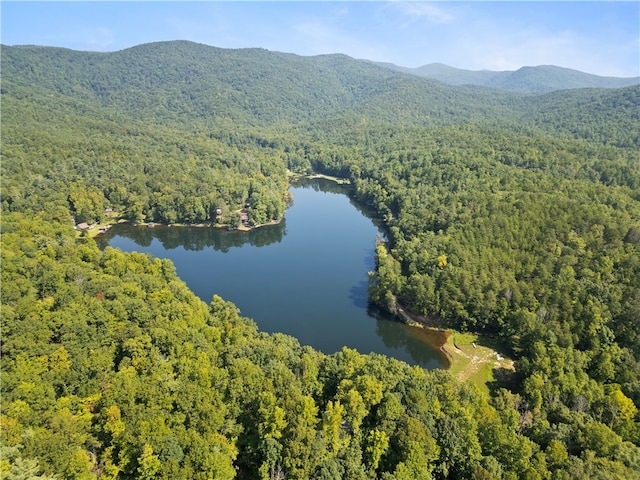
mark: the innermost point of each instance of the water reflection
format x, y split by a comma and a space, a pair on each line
321, 185
398, 336
325, 185
196, 238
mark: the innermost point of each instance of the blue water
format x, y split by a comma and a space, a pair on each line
305, 277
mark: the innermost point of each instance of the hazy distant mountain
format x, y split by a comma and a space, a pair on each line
544, 78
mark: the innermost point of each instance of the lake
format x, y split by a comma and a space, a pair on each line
305, 277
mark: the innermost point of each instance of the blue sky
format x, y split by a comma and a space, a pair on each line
596, 37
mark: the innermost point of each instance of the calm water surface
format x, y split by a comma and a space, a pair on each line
306, 277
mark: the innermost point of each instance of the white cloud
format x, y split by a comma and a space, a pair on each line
414, 11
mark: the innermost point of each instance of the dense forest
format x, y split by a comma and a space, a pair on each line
516, 215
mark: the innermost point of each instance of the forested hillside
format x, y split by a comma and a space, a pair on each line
510, 214
182, 83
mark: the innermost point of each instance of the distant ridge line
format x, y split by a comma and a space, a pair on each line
536, 79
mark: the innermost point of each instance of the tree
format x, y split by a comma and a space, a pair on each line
270, 426
332, 425
148, 463
377, 444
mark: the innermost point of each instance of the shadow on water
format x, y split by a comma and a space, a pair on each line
359, 294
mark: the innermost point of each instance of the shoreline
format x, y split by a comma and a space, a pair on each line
471, 356
95, 231
114, 219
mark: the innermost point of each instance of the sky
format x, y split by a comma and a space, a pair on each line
598, 37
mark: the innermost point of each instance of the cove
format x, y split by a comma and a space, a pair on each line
305, 277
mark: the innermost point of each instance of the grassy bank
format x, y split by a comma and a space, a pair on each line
475, 358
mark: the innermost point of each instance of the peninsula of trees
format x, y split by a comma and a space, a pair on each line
513, 214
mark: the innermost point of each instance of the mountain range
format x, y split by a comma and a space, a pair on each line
184, 81
542, 78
